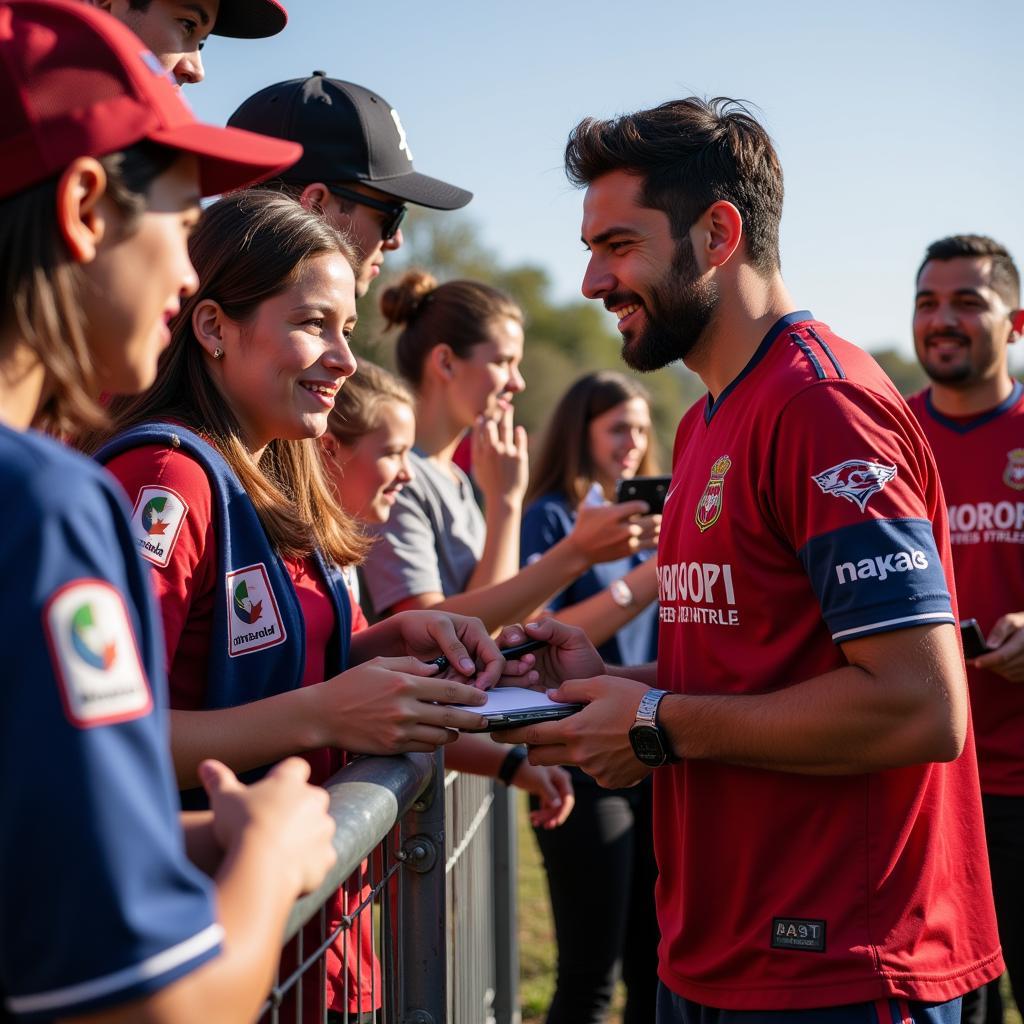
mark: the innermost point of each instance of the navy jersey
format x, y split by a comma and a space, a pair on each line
98, 903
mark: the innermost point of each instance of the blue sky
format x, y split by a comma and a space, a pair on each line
897, 122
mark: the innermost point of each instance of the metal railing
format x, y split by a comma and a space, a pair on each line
438, 915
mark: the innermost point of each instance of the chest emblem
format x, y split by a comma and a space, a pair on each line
856, 480
709, 508
254, 621
1013, 475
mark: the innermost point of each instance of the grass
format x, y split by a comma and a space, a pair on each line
537, 935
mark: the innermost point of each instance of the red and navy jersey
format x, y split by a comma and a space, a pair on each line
981, 463
805, 511
98, 903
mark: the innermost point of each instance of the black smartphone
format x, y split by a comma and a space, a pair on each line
651, 489
973, 639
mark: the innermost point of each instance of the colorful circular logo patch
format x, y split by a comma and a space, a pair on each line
87, 640
151, 521
248, 611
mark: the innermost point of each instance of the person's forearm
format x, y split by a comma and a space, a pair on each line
246, 736
641, 673
843, 722
600, 617
475, 754
499, 560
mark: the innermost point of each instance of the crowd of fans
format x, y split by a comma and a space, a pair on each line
235, 550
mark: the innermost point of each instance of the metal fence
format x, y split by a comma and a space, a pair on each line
424, 933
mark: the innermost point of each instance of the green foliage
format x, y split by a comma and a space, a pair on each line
905, 373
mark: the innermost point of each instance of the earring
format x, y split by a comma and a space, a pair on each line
218, 353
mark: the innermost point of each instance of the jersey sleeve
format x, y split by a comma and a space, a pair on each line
853, 488
403, 560
98, 903
545, 523
172, 525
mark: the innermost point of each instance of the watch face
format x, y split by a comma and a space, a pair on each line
646, 745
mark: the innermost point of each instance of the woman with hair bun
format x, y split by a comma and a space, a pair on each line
459, 348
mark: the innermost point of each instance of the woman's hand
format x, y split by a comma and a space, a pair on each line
392, 706
281, 812
569, 654
552, 787
604, 533
501, 465
427, 634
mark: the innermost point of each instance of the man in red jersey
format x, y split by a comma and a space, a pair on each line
817, 815
965, 316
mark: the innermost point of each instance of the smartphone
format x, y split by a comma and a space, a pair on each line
973, 639
509, 707
651, 489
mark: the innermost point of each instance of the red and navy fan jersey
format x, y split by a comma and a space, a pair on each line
98, 903
981, 463
805, 512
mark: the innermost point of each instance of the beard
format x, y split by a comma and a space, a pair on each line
677, 314
952, 374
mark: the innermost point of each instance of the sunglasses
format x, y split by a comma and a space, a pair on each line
394, 212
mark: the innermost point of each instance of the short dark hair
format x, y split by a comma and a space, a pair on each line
690, 153
1005, 276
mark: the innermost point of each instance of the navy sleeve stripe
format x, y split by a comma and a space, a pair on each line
903, 623
828, 352
148, 970
806, 349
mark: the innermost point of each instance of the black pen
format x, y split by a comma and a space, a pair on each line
508, 653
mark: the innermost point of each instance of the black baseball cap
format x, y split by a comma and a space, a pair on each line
249, 19
348, 133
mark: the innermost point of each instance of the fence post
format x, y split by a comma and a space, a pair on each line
506, 939
421, 908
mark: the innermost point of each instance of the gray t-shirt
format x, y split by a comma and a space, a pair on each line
431, 543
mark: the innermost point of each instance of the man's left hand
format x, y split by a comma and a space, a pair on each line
596, 738
1007, 637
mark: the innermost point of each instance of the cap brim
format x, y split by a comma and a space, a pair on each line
250, 19
422, 190
230, 158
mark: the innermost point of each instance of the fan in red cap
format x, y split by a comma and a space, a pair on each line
101, 170
175, 30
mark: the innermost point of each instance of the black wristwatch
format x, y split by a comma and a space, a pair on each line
648, 739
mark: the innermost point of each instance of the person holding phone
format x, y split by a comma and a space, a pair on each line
600, 433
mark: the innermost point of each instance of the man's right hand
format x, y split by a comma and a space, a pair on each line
569, 654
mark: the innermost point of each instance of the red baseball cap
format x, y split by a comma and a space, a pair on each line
76, 82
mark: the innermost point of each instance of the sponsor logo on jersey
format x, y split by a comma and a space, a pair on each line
800, 933
856, 480
709, 508
697, 592
94, 655
880, 567
157, 519
254, 620
1013, 475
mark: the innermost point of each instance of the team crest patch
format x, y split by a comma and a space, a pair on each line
94, 655
1013, 475
709, 508
254, 620
157, 519
856, 480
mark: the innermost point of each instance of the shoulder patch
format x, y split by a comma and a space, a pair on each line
254, 620
157, 519
856, 480
94, 655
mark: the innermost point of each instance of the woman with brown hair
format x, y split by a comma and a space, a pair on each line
232, 508
599, 433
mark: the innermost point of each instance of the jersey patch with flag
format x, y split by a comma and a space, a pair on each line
94, 654
157, 519
254, 621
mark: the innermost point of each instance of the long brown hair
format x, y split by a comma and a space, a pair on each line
40, 284
457, 313
358, 405
564, 465
249, 247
